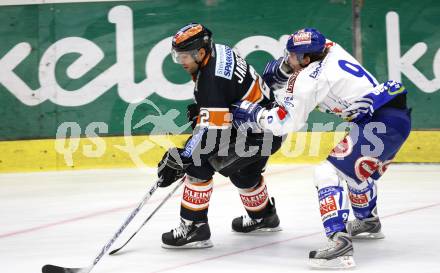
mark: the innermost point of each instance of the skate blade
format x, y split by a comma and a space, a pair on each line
266, 230
369, 236
343, 262
193, 245
261, 230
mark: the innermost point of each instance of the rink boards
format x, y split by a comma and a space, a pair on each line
144, 151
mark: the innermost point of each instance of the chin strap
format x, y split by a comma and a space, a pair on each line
200, 64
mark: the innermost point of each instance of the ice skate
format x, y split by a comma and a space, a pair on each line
338, 254
369, 228
188, 234
270, 223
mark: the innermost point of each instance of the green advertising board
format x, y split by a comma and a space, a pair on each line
88, 62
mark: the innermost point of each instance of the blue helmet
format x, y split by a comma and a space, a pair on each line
307, 40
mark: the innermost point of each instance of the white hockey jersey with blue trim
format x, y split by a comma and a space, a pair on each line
331, 85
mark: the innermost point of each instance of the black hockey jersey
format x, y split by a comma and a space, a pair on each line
223, 79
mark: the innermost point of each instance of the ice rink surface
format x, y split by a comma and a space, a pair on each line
65, 218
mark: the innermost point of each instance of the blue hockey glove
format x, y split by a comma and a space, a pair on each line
363, 109
358, 110
245, 115
276, 74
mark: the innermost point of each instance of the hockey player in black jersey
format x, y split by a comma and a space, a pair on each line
221, 78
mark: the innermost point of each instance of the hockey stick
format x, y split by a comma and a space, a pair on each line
149, 217
58, 269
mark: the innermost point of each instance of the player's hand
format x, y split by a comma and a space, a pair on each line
358, 110
276, 73
245, 115
172, 167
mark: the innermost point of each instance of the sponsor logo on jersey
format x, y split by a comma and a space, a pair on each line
192, 144
224, 63
302, 38
290, 84
365, 166
358, 200
317, 71
291, 81
343, 148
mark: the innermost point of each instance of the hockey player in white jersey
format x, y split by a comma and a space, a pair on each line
318, 73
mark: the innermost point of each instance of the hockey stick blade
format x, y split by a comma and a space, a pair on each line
58, 269
117, 249
151, 215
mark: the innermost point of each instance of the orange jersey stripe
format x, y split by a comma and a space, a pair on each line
214, 117
254, 94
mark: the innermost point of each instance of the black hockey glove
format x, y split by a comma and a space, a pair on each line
192, 112
172, 167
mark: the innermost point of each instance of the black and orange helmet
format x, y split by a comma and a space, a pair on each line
192, 36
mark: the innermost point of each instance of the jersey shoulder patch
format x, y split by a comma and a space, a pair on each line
224, 61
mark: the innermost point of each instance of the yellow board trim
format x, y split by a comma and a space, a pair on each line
121, 152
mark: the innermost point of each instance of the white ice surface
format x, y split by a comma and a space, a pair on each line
65, 218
